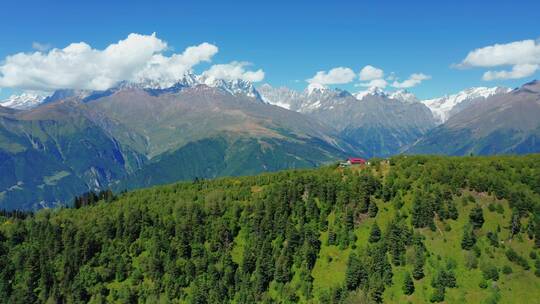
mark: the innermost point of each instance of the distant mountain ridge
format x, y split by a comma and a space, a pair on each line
147, 133
377, 122
444, 107
312, 98
505, 123
22, 101
133, 136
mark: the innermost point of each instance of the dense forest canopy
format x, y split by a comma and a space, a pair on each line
413, 229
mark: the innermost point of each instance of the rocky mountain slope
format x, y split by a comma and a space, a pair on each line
446, 106
133, 135
503, 123
376, 122
22, 101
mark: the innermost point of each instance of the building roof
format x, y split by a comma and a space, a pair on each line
356, 160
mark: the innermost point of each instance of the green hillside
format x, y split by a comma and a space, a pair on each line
413, 229
132, 138
46, 162
230, 155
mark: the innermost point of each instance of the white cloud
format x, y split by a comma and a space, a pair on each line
370, 73
413, 80
518, 71
378, 83
168, 69
233, 70
79, 66
42, 47
374, 77
523, 56
339, 75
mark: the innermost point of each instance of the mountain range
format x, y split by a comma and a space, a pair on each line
507, 123
147, 133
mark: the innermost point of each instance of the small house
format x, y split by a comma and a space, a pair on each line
356, 161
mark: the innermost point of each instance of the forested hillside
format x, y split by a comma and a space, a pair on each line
412, 229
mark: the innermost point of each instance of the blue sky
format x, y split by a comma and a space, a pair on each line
292, 40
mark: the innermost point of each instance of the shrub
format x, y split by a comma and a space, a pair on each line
476, 217
408, 284
490, 272
438, 295
513, 256
471, 262
493, 239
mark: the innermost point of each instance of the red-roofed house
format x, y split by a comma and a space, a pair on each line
356, 161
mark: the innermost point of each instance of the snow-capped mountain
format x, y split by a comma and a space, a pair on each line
399, 95
315, 88
318, 97
282, 97
23, 101
371, 91
403, 95
234, 86
378, 122
189, 79
495, 123
314, 98
443, 107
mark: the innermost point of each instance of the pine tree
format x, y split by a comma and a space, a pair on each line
469, 239
418, 270
283, 269
536, 231
376, 289
476, 217
408, 284
452, 210
356, 274
373, 209
331, 237
375, 234
515, 223
351, 279
422, 213
365, 203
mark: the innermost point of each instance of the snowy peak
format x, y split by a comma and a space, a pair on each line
443, 107
315, 88
403, 96
282, 97
235, 86
314, 97
23, 101
189, 79
371, 91
399, 95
